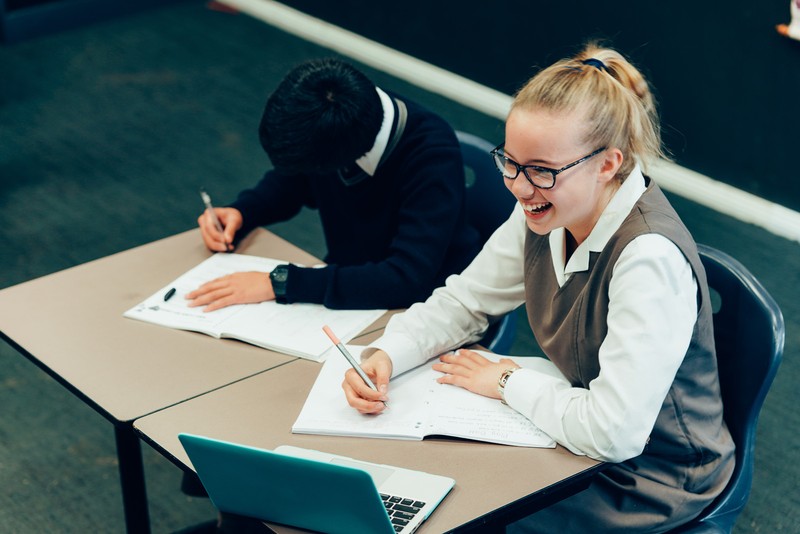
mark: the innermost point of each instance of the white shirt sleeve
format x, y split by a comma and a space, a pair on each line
652, 312
458, 313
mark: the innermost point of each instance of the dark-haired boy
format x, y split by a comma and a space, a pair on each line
387, 179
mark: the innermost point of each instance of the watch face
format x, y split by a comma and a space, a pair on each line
280, 274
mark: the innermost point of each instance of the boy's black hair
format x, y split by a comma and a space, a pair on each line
324, 115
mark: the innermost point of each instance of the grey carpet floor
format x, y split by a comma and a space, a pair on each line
107, 132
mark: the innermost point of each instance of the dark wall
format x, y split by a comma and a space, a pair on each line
727, 83
26, 19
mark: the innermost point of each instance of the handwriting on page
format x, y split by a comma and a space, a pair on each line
461, 413
418, 407
487, 425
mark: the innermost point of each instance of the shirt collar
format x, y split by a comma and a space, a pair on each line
609, 222
369, 161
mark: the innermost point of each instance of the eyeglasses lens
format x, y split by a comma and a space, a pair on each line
505, 166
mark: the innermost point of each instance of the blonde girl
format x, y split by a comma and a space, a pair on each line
615, 294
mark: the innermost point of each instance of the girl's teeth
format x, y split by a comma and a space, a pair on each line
538, 208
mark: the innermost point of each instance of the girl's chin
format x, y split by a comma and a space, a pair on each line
538, 228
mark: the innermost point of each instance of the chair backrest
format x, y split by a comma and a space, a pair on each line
749, 335
489, 204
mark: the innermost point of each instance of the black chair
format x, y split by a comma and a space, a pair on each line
489, 204
749, 334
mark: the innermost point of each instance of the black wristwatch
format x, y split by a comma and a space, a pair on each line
278, 277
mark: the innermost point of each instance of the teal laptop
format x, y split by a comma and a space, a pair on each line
314, 490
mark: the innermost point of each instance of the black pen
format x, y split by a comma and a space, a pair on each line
169, 294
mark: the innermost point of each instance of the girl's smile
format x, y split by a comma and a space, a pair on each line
536, 210
584, 185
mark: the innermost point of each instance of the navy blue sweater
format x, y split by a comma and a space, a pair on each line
392, 238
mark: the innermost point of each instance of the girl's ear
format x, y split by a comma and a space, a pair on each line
612, 160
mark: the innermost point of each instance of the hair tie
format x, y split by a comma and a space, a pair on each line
599, 65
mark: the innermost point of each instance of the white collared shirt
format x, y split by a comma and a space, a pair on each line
652, 311
369, 161
609, 222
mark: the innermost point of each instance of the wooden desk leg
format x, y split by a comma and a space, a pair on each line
131, 474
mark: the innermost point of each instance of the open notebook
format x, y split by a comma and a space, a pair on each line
418, 407
294, 329
312, 489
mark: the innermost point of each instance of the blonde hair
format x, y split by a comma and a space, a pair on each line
615, 98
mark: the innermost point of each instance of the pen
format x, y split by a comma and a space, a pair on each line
210, 210
349, 357
169, 294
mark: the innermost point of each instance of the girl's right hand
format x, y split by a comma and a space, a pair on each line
359, 395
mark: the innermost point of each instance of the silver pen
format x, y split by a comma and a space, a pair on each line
210, 210
349, 357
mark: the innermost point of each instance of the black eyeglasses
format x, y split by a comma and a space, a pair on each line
540, 177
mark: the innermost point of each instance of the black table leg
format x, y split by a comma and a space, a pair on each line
131, 474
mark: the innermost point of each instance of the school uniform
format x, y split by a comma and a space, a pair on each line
630, 375
392, 237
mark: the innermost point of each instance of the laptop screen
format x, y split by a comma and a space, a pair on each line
321, 492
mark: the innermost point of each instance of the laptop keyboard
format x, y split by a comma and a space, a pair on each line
401, 510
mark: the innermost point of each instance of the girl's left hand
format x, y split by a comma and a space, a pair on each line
469, 370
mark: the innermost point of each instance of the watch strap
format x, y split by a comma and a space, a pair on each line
279, 277
502, 381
